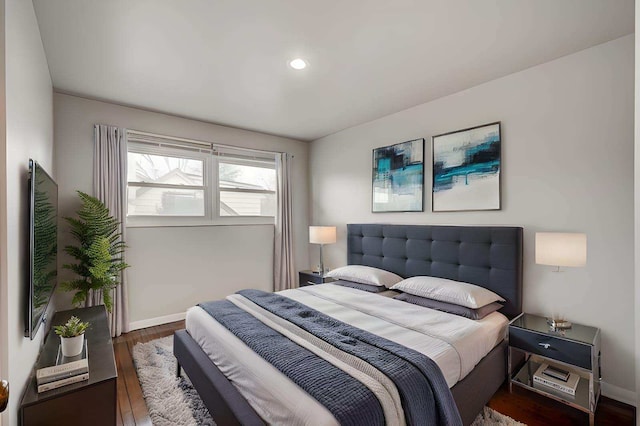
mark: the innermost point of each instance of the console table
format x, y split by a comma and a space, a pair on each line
92, 402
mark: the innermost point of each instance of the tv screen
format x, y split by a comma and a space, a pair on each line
43, 245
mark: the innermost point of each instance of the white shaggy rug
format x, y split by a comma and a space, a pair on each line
173, 401
492, 417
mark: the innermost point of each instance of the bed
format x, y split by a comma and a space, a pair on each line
490, 257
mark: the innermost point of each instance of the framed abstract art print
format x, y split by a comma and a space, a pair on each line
466, 169
398, 177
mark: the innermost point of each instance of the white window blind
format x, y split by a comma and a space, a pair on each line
177, 182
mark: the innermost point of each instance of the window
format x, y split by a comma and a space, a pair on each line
176, 183
165, 185
246, 188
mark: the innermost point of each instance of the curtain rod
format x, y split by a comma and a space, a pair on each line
201, 143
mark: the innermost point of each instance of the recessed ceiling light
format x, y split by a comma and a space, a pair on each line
298, 64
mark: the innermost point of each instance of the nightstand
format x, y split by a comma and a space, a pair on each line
311, 278
576, 349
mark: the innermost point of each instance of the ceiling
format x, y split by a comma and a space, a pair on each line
225, 61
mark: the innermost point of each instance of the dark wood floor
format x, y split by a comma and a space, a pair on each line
534, 409
132, 409
522, 405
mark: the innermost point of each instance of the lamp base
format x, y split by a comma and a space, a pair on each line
559, 324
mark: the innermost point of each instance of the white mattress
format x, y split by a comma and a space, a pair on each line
456, 344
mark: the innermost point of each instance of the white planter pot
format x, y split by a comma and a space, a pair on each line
72, 346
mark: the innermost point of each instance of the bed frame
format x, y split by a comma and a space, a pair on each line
487, 256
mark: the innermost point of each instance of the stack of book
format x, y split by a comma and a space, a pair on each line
557, 379
66, 371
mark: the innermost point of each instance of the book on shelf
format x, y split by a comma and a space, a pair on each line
568, 386
63, 382
65, 367
557, 373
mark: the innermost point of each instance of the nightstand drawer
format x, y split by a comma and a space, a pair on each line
552, 347
313, 279
310, 278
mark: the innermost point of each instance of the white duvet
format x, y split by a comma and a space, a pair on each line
456, 344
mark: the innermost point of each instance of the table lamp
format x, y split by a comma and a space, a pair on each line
561, 249
322, 235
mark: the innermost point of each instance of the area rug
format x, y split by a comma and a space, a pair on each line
173, 401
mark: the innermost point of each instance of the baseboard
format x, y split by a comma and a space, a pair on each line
137, 325
618, 393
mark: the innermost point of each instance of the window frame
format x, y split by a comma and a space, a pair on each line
210, 174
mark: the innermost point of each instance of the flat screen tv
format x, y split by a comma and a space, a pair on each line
43, 246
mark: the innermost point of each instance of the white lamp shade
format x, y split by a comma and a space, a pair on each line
322, 234
561, 249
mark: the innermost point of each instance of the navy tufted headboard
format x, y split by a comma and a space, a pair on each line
487, 256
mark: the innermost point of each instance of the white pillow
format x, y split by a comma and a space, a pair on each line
365, 275
463, 294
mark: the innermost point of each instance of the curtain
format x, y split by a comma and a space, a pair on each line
109, 186
283, 266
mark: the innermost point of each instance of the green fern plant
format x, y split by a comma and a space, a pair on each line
98, 252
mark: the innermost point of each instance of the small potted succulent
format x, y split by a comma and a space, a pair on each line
71, 336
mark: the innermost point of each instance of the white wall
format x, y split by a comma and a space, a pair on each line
567, 152
637, 206
4, 276
29, 134
174, 268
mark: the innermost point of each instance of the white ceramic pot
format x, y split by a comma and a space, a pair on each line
72, 346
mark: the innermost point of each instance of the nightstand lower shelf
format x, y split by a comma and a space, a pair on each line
581, 400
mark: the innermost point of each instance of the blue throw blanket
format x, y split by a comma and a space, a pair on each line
424, 393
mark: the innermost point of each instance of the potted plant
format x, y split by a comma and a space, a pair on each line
71, 336
98, 252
